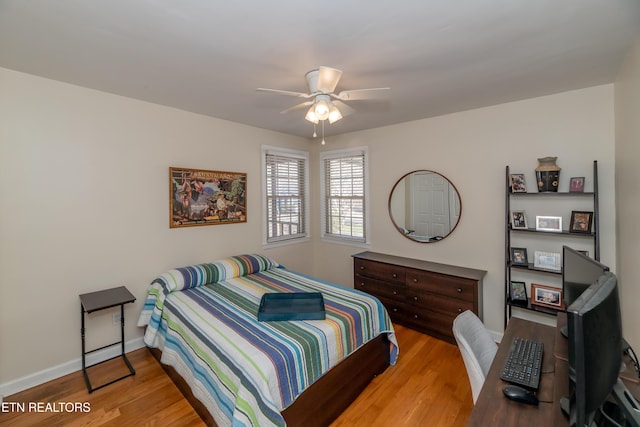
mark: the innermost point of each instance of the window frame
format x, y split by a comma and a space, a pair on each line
337, 238
289, 239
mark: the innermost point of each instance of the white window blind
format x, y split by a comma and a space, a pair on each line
344, 195
286, 196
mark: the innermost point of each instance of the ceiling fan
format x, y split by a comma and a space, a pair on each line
323, 102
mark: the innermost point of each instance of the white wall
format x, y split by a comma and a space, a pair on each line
627, 109
472, 149
84, 190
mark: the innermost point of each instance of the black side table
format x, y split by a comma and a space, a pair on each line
100, 300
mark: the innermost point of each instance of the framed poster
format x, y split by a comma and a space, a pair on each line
206, 197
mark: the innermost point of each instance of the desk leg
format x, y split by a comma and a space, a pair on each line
122, 326
84, 353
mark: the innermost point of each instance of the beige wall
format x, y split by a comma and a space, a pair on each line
627, 111
84, 185
84, 190
472, 149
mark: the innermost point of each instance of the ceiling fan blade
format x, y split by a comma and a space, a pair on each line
297, 107
328, 79
284, 92
360, 94
344, 108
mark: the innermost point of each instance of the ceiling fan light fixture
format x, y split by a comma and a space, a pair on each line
311, 115
322, 107
334, 114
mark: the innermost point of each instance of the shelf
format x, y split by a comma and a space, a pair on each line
537, 308
530, 267
538, 202
560, 233
554, 194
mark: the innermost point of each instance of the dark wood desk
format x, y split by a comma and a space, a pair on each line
493, 408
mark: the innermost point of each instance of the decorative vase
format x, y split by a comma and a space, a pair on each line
547, 174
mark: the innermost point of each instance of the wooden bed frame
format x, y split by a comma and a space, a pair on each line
325, 399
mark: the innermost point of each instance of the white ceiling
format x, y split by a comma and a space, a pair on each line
207, 56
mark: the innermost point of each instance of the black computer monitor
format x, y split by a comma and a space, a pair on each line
595, 354
578, 273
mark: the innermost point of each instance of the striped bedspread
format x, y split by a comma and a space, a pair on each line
244, 371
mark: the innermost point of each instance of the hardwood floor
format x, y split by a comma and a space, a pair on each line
428, 386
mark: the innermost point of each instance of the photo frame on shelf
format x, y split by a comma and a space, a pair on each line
518, 293
549, 223
519, 256
518, 183
576, 184
581, 222
519, 220
547, 260
546, 296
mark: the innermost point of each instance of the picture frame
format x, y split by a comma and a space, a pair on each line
519, 220
549, 223
576, 184
519, 256
546, 296
206, 197
518, 183
518, 293
581, 222
547, 261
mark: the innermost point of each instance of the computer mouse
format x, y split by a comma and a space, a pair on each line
520, 394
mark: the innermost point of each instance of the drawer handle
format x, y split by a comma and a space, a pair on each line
415, 280
362, 284
459, 290
362, 267
415, 298
459, 310
395, 310
395, 292
415, 316
395, 275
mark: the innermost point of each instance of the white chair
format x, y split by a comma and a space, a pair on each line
477, 348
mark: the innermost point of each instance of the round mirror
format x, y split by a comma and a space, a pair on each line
424, 206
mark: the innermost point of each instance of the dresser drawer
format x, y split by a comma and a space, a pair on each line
448, 306
397, 311
451, 306
453, 287
379, 288
378, 270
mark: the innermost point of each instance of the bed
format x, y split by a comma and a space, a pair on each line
202, 322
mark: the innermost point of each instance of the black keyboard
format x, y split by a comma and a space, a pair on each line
523, 364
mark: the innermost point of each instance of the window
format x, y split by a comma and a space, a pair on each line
344, 195
285, 195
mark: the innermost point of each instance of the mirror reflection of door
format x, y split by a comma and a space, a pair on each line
430, 205
424, 206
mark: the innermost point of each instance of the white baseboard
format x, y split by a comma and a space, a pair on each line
37, 378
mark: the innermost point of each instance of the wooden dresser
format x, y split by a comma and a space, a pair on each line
421, 295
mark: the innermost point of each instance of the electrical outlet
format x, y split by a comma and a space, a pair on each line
117, 318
